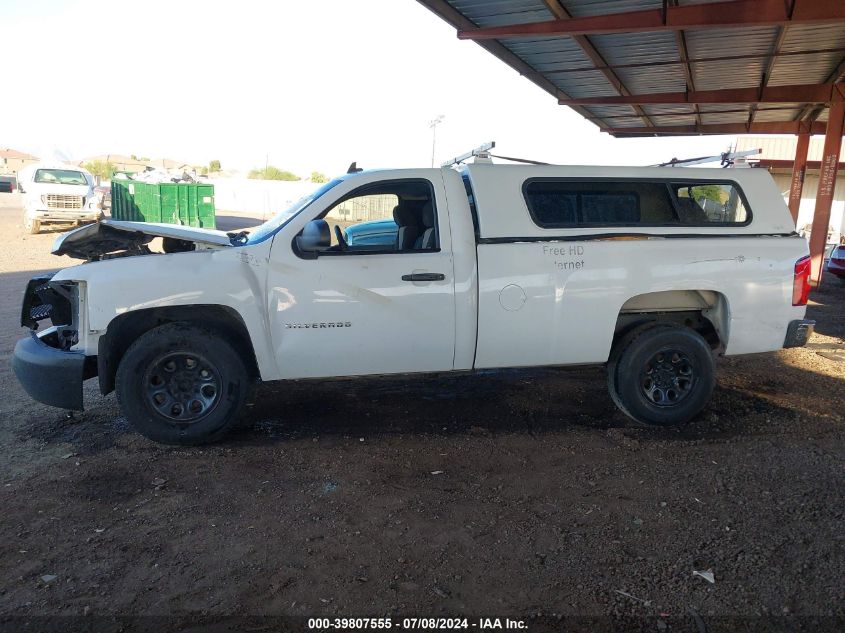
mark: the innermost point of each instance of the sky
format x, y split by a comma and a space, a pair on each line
301, 85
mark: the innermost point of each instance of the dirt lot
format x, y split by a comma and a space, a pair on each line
516, 494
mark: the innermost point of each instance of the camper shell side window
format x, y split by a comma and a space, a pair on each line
575, 203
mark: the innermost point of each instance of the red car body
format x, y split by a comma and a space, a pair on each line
836, 263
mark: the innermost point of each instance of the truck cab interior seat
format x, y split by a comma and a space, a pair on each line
428, 239
409, 227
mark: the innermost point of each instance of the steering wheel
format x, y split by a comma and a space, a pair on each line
341, 241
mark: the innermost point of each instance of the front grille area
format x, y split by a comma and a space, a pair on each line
43, 300
61, 202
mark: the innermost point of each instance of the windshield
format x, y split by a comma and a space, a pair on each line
263, 231
60, 177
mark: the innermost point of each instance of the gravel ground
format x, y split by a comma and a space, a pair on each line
521, 494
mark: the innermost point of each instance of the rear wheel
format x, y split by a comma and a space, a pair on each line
181, 384
661, 374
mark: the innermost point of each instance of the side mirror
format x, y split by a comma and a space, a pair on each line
315, 237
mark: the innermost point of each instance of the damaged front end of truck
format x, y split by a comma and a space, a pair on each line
49, 363
46, 364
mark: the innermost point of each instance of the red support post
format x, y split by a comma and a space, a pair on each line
799, 170
827, 184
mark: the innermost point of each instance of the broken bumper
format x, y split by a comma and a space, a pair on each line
799, 332
50, 375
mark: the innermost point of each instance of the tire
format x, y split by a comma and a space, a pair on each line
181, 384
661, 374
31, 225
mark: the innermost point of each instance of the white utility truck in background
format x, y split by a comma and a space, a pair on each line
57, 193
649, 271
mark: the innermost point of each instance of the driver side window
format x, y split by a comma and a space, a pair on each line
390, 216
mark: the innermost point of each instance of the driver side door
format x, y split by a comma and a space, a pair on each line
380, 304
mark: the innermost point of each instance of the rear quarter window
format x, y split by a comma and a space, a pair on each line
710, 203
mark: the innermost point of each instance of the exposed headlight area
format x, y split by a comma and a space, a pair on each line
46, 364
57, 301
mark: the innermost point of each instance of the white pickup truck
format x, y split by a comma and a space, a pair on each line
58, 193
649, 271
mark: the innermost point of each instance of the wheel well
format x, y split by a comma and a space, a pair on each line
126, 328
704, 311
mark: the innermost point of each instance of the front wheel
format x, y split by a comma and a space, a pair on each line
662, 374
181, 384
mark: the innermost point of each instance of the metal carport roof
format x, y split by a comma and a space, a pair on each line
670, 67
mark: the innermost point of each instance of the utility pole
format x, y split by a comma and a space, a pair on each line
433, 125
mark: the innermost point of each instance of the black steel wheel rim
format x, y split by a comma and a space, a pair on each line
182, 386
667, 378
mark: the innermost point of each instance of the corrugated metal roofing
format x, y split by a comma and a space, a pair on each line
550, 54
654, 62
600, 7
486, 13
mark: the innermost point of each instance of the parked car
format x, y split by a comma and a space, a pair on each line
375, 233
57, 193
8, 184
491, 267
836, 263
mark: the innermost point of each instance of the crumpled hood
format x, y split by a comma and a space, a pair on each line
111, 236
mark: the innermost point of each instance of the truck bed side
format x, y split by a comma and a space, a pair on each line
556, 296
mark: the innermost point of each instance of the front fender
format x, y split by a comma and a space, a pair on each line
233, 277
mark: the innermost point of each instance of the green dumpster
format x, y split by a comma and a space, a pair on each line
185, 203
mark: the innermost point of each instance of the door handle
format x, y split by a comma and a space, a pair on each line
424, 277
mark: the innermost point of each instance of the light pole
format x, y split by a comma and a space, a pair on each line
433, 125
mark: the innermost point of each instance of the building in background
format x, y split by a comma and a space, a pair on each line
166, 164
120, 163
778, 155
12, 161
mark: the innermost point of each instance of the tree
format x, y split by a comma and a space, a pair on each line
272, 173
100, 168
214, 166
318, 177
709, 192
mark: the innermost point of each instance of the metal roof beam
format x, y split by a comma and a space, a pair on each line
610, 117
560, 12
693, 60
799, 93
672, 18
683, 52
811, 112
770, 64
450, 15
788, 127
